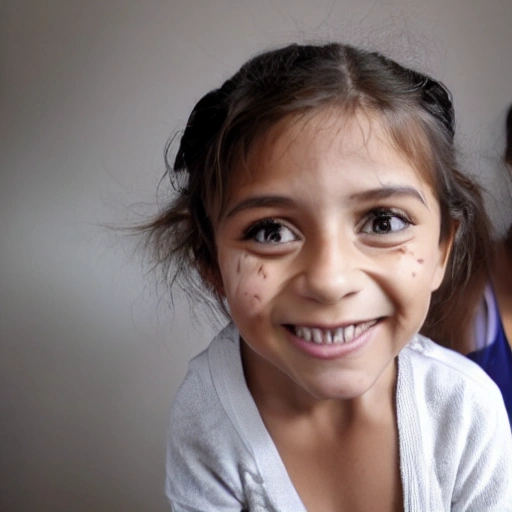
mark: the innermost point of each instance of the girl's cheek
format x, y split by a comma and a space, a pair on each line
246, 282
413, 264
407, 264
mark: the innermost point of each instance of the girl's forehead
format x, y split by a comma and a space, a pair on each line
310, 135
328, 133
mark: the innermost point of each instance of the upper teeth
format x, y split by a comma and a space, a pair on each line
339, 335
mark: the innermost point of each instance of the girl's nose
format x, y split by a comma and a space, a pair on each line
330, 271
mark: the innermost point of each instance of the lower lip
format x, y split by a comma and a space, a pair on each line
333, 350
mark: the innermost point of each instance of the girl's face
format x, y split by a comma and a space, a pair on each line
328, 252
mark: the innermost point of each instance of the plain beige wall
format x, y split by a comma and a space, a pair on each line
90, 90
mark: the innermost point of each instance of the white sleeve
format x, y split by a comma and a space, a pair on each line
202, 450
484, 477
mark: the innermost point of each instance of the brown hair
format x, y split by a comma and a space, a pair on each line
415, 110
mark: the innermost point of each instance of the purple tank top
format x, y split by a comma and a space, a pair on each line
496, 360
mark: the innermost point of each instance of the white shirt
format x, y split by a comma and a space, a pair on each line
454, 436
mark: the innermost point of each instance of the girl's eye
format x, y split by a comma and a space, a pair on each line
270, 231
383, 222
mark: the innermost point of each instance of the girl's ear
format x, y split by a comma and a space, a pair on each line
445, 249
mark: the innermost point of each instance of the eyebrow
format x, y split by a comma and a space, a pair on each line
368, 195
259, 202
389, 191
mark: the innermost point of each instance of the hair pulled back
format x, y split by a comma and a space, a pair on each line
415, 110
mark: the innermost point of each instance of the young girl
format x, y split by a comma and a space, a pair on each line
322, 207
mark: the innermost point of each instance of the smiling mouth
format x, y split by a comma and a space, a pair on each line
331, 336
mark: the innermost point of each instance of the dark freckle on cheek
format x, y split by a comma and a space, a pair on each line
262, 273
257, 297
420, 261
414, 274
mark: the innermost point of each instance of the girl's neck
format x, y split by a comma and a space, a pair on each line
312, 436
275, 397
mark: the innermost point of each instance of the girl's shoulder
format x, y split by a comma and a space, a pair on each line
453, 428
204, 450
200, 391
438, 369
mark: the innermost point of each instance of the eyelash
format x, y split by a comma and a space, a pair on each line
385, 214
272, 227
